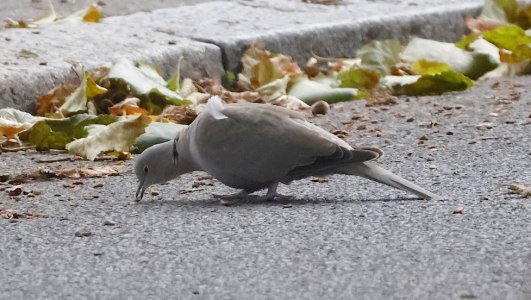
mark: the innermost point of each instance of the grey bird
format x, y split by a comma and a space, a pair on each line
251, 147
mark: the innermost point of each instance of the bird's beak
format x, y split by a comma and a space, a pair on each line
140, 191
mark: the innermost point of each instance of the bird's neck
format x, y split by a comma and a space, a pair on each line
187, 162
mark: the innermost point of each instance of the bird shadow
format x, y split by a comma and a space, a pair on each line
255, 200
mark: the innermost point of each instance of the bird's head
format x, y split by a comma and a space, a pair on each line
157, 164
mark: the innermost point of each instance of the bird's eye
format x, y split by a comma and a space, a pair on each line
145, 169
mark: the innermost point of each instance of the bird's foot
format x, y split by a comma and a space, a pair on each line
276, 197
231, 198
273, 195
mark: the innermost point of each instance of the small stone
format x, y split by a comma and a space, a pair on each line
361, 127
319, 179
510, 122
320, 108
409, 120
98, 185
287, 206
362, 117
458, 210
484, 125
225, 202
14, 191
108, 223
423, 138
449, 133
83, 233
77, 183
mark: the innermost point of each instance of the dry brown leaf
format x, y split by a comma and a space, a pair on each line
522, 190
70, 173
128, 106
291, 102
7, 213
203, 182
261, 67
49, 102
480, 25
178, 114
102, 171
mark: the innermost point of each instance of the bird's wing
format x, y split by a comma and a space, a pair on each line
263, 143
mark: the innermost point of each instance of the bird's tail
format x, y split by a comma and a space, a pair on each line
371, 170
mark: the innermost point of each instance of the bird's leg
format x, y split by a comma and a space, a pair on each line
272, 193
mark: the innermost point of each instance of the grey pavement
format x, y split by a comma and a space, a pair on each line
211, 36
32, 9
347, 238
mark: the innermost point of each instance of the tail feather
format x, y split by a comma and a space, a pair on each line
371, 170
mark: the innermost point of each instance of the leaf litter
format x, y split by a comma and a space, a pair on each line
129, 105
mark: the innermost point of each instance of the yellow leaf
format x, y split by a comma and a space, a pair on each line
93, 14
93, 89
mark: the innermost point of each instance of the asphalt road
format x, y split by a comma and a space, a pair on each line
346, 238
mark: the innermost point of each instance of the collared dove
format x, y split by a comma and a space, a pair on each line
251, 147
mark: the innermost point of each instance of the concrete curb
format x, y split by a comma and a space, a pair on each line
212, 37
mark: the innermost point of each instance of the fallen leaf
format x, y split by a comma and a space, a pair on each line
184, 114
56, 133
77, 101
146, 84
51, 101
504, 11
10, 214
261, 67
364, 80
291, 102
156, 133
429, 84
380, 56
471, 64
203, 182
14, 190
522, 190
128, 106
311, 91
13, 121
118, 136
74, 173
27, 54
479, 25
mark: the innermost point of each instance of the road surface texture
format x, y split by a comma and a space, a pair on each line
345, 238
